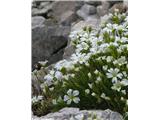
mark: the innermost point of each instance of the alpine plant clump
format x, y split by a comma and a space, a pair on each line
95, 76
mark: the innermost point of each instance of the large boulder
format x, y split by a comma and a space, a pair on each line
76, 114
68, 17
62, 10
48, 43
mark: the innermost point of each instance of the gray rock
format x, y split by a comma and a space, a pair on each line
68, 17
76, 114
82, 14
89, 9
86, 10
68, 51
122, 7
103, 9
78, 5
92, 21
37, 21
47, 41
92, 18
59, 8
43, 4
50, 22
42, 11
95, 3
38, 77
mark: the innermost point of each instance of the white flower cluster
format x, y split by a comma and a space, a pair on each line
89, 42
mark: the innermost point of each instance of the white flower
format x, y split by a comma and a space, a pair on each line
117, 86
89, 75
87, 91
72, 75
109, 58
52, 72
72, 96
105, 68
66, 77
93, 94
90, 85
43, 63
124, 82
120, 61
51, 89
99, 79
124, 73
77, 69
48, 77
40, 97
103, 95
87, 64
54, 102
96, 72
36, 99
43, 85
48, 81
58, 75
114, 74
123, 91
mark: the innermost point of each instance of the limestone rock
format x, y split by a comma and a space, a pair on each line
44, 4
86, 10
37, 21
68, 17
47, 41
95, 3
90, 21
60, 8
103, 9
120, 6
76, 114
41, 11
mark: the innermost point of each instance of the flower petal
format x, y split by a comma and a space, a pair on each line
69, 92
75, 92
76, 99
66, 98
69, 101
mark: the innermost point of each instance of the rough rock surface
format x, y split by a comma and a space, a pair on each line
122, 7
95, 3
59, 8
37, 21
103, 9
42, 10
86, 10
76, 114
48, 41
68, 17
